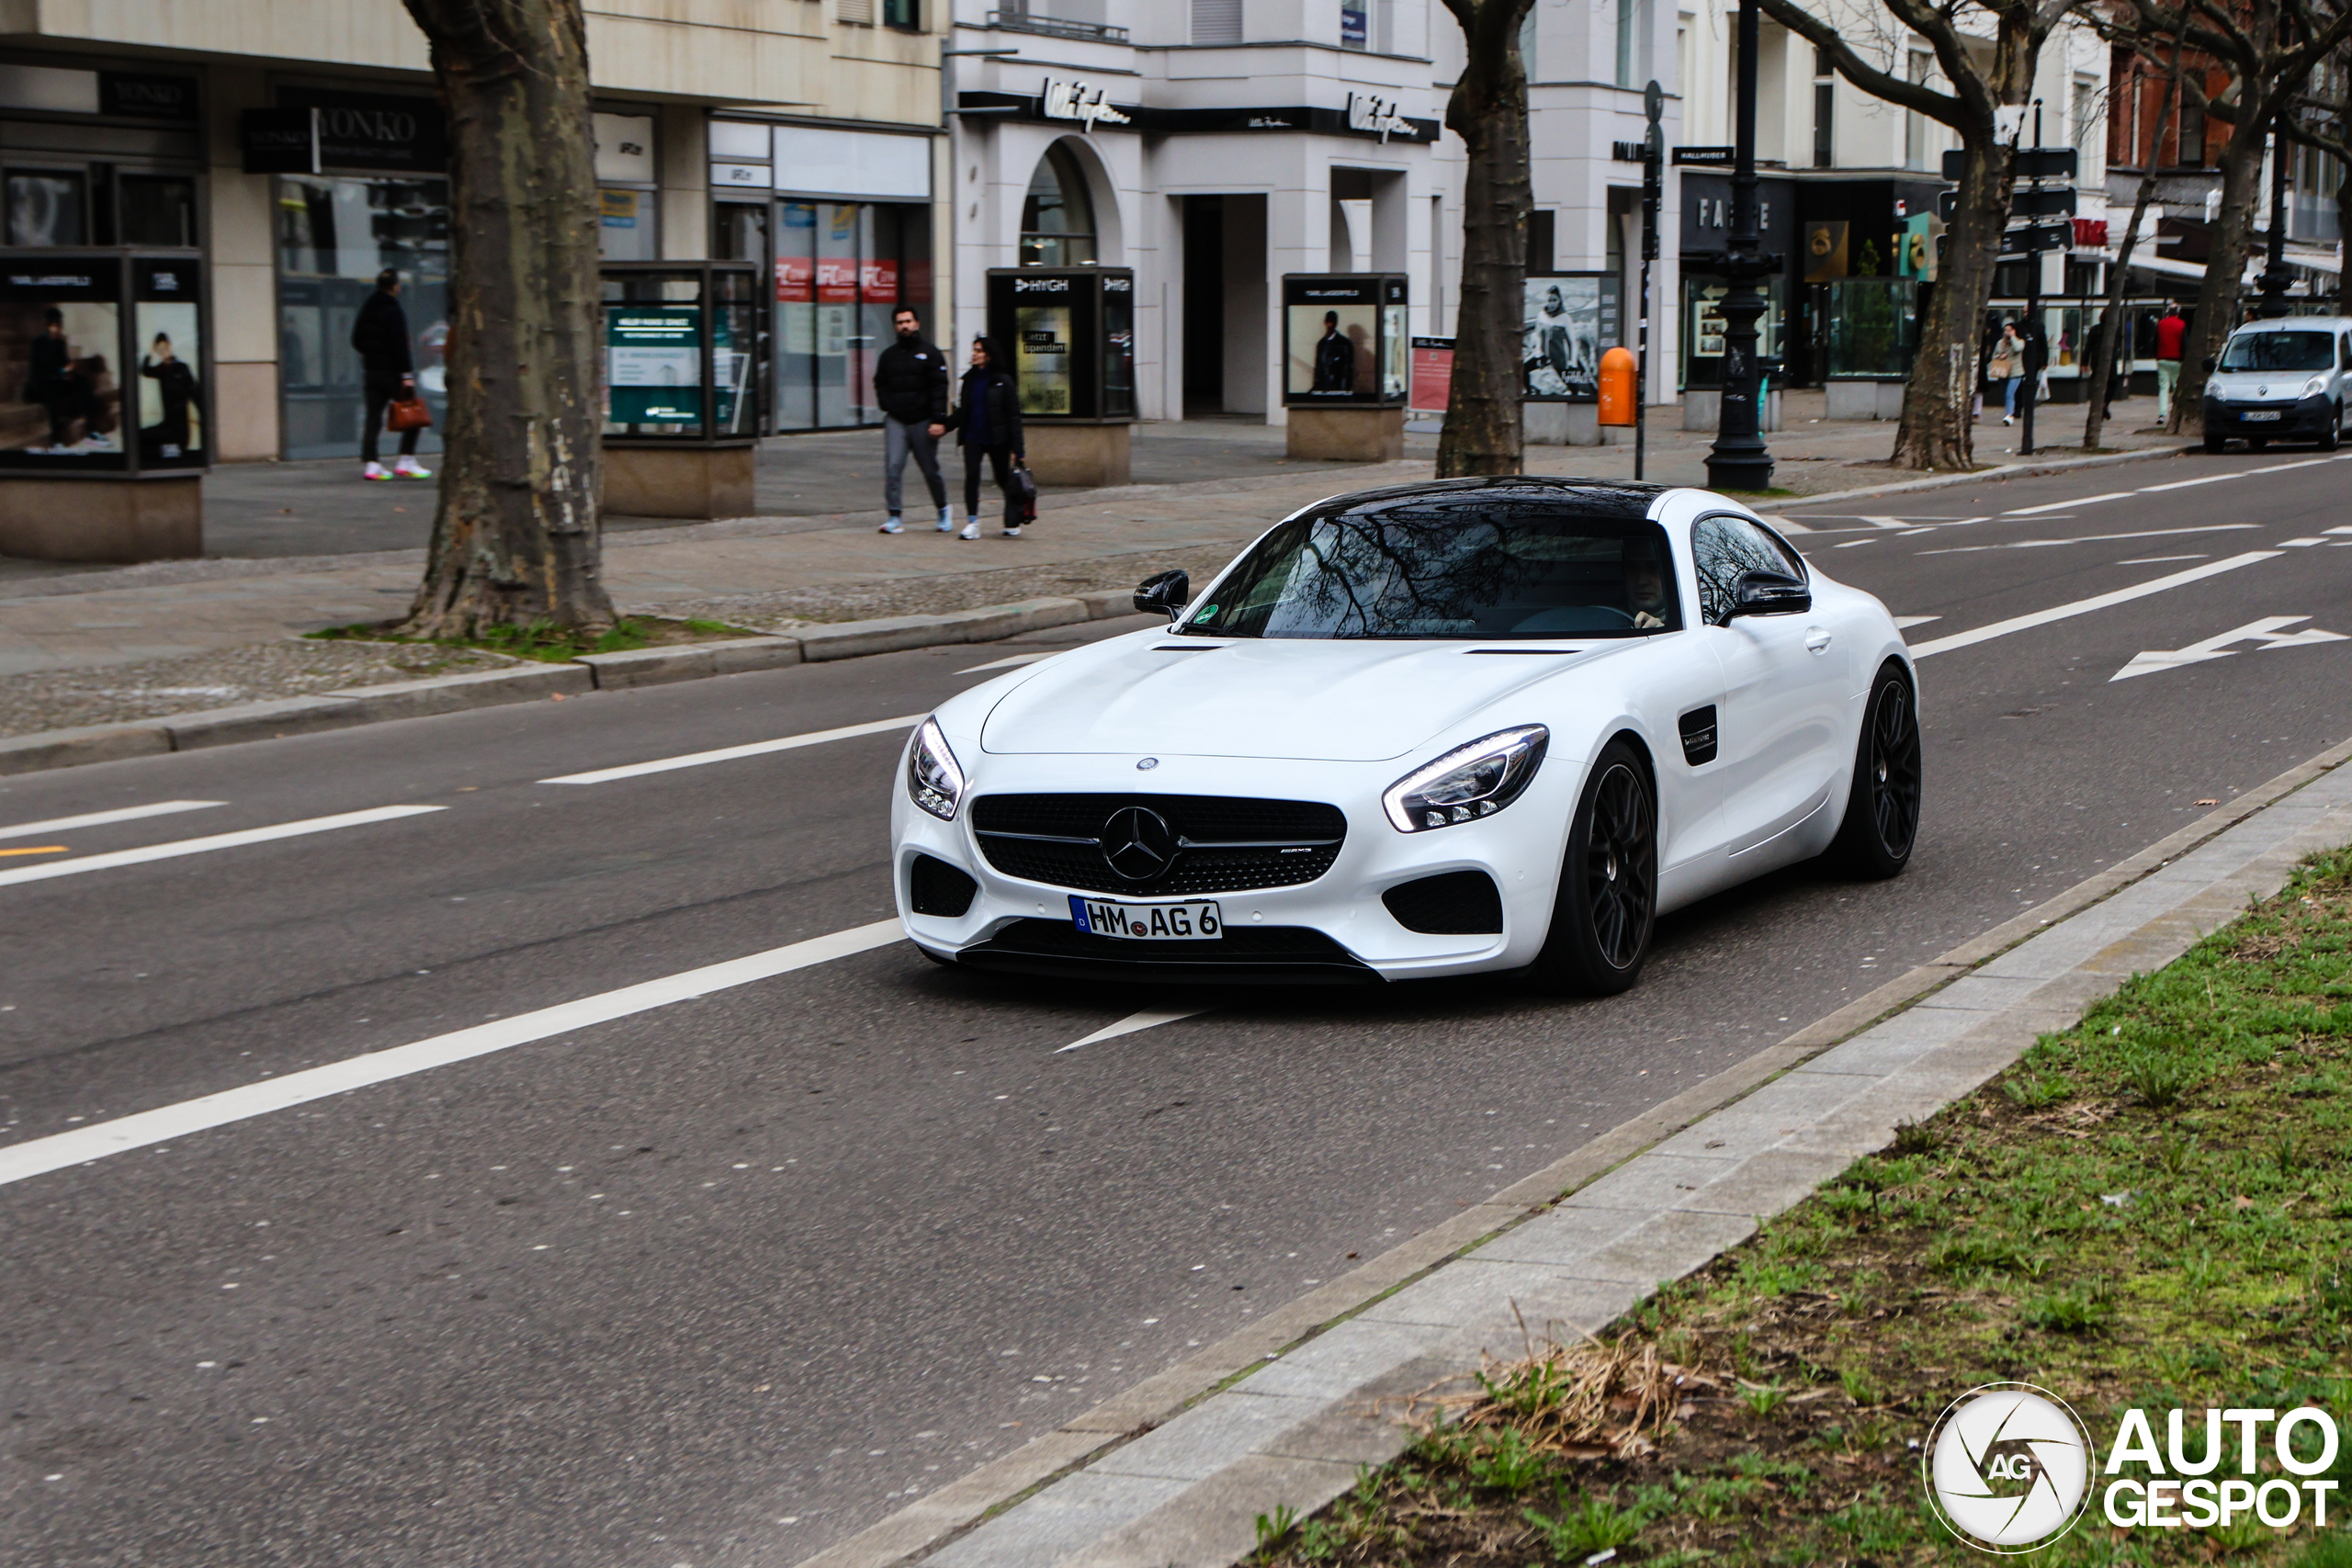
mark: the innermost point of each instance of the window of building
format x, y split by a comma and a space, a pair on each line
1632, 17
1527, 44
48, 206
2190, 138
2085, 111
841, 269
904, 15
626, 206
1914, 124
1355, 24
334, 234
1216, 21
1057, 217
1824, 110
155, 209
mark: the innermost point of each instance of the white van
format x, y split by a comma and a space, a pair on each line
2281, 379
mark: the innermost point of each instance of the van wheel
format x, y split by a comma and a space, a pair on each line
2332, 436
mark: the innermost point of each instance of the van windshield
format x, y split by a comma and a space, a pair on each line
2281, 350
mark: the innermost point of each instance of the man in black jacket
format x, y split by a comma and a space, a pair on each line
388, 370
1335, 358
910, 389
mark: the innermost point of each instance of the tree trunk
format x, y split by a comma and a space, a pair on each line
1938, 428
1482, 432
2217, 301
2112, 321
516, 540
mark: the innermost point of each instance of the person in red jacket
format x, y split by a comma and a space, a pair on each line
2171, 331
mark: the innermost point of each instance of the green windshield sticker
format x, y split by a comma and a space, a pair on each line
1204, 615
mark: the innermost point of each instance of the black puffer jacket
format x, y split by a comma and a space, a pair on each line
380, 333
911, 382
1003, 409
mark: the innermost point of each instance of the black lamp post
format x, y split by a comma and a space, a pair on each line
1739, 460
2275, 275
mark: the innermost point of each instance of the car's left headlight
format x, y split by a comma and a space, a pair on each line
2314, 387
1467, 783
934, 779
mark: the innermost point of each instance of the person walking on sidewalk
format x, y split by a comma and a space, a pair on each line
2007, 367
910, 389
387, 372
2171, 332
988, 425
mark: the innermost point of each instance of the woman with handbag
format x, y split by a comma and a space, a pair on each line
987, 419
388, 370
2007, 367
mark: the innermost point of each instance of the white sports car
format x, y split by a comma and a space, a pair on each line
1436, 729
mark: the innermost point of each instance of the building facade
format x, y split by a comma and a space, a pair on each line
299, 148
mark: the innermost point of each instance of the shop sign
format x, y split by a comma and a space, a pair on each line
1076, 100
836, 280
137, 95
312, 131
796, 279
879, 280
1374, 115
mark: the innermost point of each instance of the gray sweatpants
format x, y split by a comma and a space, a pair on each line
898, 439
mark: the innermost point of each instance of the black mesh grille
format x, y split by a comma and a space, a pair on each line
1254, 955
934, 887
1284, 842
1458, 903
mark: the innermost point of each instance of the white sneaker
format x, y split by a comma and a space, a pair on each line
2008, 419
947, 520
374, 471
891, 525
410, 469
1013, 531
971, 530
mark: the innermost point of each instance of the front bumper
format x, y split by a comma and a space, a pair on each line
1333, 929
2306, 418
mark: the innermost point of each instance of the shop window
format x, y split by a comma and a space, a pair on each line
155, 209
625, 225
841, 269
1825, 111
334, 234
48, 206
1057, 217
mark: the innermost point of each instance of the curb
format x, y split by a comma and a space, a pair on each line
1980, 476
353, 705
1174, 1469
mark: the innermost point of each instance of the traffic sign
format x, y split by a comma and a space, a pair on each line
2056, 202
2032, 163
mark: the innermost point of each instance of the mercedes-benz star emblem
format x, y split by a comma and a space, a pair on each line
1137, 843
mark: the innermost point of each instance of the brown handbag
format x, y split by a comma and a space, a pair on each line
407, 413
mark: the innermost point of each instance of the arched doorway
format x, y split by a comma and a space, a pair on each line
1057, 215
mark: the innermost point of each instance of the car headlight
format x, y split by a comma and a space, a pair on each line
934, 779
1467, 783
2314, 387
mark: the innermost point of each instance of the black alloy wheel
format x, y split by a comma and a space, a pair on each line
1606, 905
1882, 809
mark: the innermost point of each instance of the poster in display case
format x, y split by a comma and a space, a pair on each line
684, 351
1343, 339
103, 367
1069, 334
1570, 320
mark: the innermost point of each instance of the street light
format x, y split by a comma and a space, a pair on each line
2275, 275
1739, 460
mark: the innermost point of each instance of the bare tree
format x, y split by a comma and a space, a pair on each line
2323, 120
1489, 110
1990, 88
2110, 322
2270, 48
516, 540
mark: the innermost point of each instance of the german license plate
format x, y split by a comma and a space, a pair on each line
2261, 415
1148, 922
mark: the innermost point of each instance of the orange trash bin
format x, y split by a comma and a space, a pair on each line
1617, 399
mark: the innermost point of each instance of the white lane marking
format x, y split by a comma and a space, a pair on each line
113, 858
2266, 632
729, 753
1009, 663
1852, 542
1133, 1024
2092, 538
2201, 479
1901, 622
1882, 522
2084, 606
2159, 560
2061, 505
41, 1155
2299, 544
99, 818
2346, 529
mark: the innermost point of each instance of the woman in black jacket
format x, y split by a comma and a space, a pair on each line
987, 421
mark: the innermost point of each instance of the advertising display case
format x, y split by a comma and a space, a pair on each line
1070, 335
106, 414
685, 370
1344, 343
1570, 320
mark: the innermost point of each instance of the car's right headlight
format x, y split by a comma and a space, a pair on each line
934, 779
1467, 783
2314, 387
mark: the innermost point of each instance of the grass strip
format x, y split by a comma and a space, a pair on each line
2151, 1210
550, 643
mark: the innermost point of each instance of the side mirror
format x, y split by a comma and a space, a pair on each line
1165, 591
2209, 365
1766, 594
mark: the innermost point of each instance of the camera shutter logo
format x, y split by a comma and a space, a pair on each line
2007, 1467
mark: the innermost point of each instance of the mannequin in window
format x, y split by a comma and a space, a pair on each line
1335, 358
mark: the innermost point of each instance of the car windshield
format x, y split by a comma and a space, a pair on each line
2281, 350
1493, 571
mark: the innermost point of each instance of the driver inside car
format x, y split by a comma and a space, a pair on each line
1645, 585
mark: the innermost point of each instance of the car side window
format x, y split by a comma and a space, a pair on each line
1723, 546
2345, 355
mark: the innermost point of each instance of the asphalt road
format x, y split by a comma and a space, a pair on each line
722, 1282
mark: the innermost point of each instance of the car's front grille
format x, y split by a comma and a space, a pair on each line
1220, 844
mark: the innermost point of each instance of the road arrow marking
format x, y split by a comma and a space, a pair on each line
2084, 606
1134, 1024
2266, 633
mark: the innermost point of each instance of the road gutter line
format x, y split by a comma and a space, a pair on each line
114, 858
140, 1130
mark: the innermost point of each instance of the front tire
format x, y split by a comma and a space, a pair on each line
1605, 906
1882, 806
2332, 436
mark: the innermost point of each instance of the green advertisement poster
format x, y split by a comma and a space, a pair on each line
654, 364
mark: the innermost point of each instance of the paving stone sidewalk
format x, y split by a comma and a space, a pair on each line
1185, 1492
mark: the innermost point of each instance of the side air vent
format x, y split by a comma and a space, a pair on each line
934, 887
1698, 729
1456, 903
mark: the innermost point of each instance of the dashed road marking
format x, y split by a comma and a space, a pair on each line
100, 818
729, 753
114, 858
